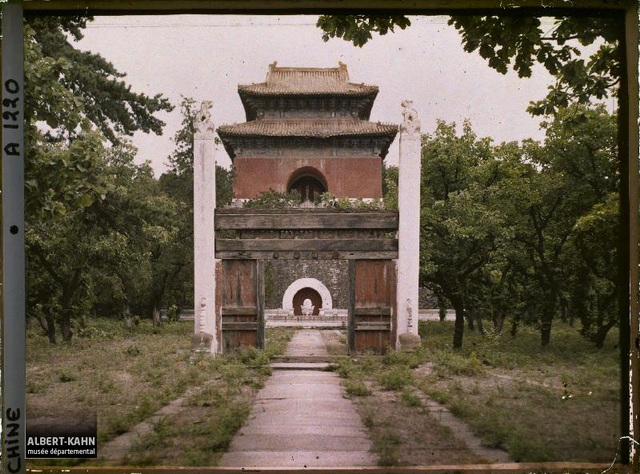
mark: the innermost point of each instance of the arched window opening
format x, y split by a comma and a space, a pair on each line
308, 187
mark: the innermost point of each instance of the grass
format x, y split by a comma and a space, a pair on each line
387, 445
556, 404
356, 388
200, 435
125, 375
560, 403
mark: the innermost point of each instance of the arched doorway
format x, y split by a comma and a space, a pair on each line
303, 294
307, 182
326, 302
308, 187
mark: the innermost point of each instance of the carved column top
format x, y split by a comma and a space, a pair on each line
410, 120
203, 124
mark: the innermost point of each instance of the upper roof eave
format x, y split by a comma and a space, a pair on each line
262, 90
308, 128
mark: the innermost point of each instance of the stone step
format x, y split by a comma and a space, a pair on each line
306, 359
301, 366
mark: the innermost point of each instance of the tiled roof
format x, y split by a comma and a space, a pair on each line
307, 128
296, 80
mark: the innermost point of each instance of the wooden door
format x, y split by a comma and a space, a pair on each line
242, 308
372, 305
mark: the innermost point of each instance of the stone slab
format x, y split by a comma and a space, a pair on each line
304, 378
306, 429
306, 343
301, 418
337, 408
299, 442
301, 366
285, 392
273, 420
299, 459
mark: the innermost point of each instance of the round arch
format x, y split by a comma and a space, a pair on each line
287, 299
308, 181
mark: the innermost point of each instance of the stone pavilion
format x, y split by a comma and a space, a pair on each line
308, 132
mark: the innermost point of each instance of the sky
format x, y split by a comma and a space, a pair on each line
205, 57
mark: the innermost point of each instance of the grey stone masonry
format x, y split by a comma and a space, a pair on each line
281, 274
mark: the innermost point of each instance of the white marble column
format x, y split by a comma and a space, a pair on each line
409, 228
204, 203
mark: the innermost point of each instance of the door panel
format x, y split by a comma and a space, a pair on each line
372, 305
242, 311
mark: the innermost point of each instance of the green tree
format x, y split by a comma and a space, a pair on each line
459, 220
62, 239
74, 102
358, 28
595, 287
540, 217
390, 186
113, 253
145, 222
582, 144
551, 187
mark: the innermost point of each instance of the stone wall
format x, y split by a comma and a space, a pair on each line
280, 274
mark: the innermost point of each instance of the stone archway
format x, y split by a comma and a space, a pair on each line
308, 182
317, 285
310, 294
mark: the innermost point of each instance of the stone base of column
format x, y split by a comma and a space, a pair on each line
409, 341
201, 342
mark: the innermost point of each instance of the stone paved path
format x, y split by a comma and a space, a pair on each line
301, 418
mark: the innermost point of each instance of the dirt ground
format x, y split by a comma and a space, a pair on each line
403, 435
409, 435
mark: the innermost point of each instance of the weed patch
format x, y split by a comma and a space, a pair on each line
396, 377
65, 375
410, 399
356, 388
124, 374
388, 447
557, 404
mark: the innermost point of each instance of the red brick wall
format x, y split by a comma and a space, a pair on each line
351, 177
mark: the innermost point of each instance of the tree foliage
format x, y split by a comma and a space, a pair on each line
93, 217
358, 28
539, 238
102, 252
94, 87
103, 234
524, 232
520, 43
459, 221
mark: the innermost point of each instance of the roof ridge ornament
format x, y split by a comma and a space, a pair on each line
272, 69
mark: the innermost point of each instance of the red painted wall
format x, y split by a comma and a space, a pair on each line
352, 177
